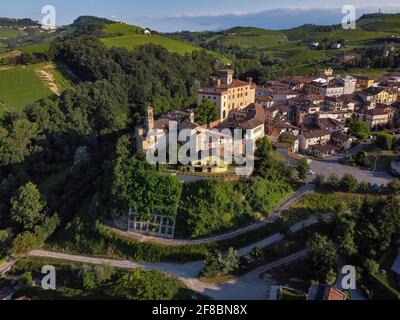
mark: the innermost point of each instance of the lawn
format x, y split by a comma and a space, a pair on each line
20, 86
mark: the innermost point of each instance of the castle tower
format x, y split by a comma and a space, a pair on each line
226, 76
149, 118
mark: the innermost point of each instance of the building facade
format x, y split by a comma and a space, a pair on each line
228, 93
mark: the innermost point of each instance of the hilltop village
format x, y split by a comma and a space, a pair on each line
302, 115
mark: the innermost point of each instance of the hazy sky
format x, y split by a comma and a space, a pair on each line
157, 13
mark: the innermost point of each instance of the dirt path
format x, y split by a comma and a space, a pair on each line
46, 76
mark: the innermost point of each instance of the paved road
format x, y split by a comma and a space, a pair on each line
5, 266
293, 257
177, 242
332, 166
247, 287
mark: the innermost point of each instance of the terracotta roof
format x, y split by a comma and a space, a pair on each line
325, 292
374, 90
187, 125
329, 122
254, 117
334, 294
264, 98
316, 134
340, 136
162, 124
235, 84
323, 148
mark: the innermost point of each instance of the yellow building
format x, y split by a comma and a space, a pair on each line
228, 94
382, 95
364, 82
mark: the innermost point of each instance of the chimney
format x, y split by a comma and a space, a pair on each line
249, 80
216, 82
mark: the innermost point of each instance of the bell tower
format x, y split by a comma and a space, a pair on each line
149, 118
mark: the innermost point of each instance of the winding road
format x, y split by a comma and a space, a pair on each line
246, 287
289, 200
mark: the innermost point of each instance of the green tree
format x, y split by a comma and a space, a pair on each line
138, 185
147, 285
27, 206
302, 168
287, 138
26, 279
319, 180
208, 207
384, 141
363, 160
360, 129
205, 113
349, 183
394, 185
345, 231
378, 222
268, 163
88, 278
323, 258
220, 263
333, 180
17, 141
24, 242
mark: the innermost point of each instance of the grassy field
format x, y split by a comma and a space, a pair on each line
21, 85
133, 40
122, 29
36, 48
320, 202
388, 23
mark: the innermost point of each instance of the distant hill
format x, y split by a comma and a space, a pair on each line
380, 22
8, 22
369, 27
130, 36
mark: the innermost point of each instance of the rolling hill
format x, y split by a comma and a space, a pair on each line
129, 36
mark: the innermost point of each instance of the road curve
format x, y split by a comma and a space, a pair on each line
289, 200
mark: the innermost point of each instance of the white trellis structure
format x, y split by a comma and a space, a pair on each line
159, 226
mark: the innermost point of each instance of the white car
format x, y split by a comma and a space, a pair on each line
311, 173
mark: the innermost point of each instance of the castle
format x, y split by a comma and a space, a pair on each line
228, 93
